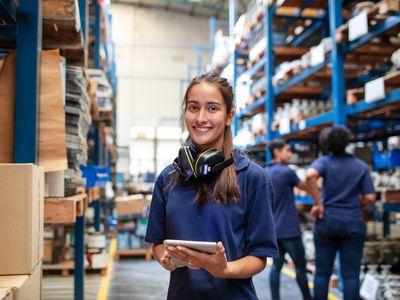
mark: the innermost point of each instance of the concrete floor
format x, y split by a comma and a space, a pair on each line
134, 279
55, 287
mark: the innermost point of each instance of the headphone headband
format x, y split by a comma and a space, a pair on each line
205, 164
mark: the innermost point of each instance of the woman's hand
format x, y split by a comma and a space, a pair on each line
317, 212
166, 263
162, 256
216, 264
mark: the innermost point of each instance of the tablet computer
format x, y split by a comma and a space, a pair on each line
207, 247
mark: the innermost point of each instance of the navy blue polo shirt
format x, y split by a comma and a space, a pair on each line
245, 228
286, 219
345, 178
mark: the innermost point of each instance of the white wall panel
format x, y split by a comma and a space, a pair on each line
150, 64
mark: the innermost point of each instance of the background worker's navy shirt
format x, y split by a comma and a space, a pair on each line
286, 219
345, 178
245, 228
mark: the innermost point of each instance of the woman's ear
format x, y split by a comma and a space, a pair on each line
229, 118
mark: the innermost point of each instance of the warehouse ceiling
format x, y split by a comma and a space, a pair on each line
203, 8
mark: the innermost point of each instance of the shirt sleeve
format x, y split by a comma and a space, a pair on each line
292, 177
318, 165
367, 186
260, 231
156, 230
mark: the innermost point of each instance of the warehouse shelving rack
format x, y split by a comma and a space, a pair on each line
23, 30
341, 113
101, 153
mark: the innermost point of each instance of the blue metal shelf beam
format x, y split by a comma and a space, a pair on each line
256, 68
382, 70
389, 23
310, 30
250, 108
26, 107
295, 80
298, 13
293, 17
362, 106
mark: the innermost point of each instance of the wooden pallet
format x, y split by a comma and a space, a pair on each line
61, 25
66, 268
64, 210
147, 253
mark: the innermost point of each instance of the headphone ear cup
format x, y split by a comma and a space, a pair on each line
206, 161
186, 161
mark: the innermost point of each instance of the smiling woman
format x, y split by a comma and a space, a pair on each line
230, 206
207, 116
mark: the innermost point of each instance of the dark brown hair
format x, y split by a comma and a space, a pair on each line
225, 189
334, 140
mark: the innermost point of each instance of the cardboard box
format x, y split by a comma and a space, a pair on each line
24, 286
21, 218
133, 204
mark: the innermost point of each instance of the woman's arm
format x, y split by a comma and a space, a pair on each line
317, 211
217, 264
368, 199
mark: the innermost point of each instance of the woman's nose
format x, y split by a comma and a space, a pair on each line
202, 116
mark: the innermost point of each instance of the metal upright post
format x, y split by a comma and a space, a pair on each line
97, 161
84, 13
232, 21
79, 252
26, 106
337, 56
96, 219
269, 73
97, 35
79, 228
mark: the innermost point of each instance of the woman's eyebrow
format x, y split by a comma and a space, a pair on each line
208, 103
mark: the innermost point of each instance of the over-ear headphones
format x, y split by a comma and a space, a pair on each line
189, 163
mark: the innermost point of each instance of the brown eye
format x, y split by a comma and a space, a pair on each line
193, 108
213, 108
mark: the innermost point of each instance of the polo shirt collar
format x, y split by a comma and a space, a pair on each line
241, 161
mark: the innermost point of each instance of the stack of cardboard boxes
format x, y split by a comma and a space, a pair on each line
21, 231
132, 214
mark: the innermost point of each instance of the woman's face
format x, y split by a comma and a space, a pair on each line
206, 116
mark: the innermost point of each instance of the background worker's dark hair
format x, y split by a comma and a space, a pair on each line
277, 143
334, 140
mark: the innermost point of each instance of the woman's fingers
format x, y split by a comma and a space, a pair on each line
220, 248
179, 253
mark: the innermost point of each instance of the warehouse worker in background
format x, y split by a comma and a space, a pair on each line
287, 222
339, 227
212, 195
